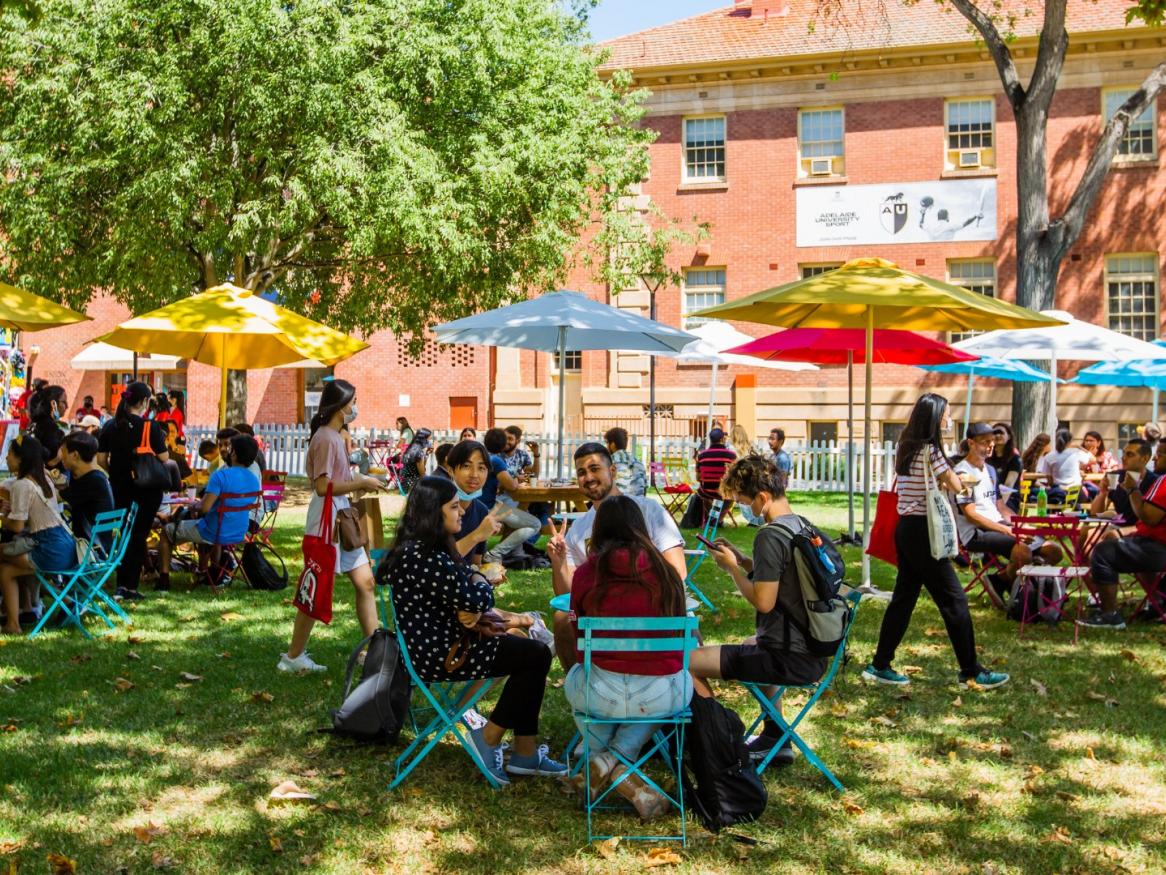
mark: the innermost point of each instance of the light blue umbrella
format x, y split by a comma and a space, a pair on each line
1016, 371
1149, 374
563, 320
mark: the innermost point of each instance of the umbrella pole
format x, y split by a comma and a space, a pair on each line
1053, 413
850, 447
223, 383
713, 398
866, 449
135, 366
562, 395
968, 403
1154, 406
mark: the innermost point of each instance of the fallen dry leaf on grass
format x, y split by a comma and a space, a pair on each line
131, 655
229, 616
741, 850
957, 702
289, 791
309, 860
606, 849
852, 808
971, 684
1006, 751
857, 743
226, 654
1089, 755
912, 669
1041, 689
276, 844
1059, 834
135, 639
80, 658
145, 834
883, 720
12, 847
1129, 655
1098, 697
932, 632
262, 696
332, 806
59, 864
123, 685
661, 857
1066, 796
160, 861
191, 678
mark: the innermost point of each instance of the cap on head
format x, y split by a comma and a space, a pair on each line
717, 436
979, 429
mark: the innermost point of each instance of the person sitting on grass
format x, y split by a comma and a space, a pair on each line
436, 597
777, 654
1144, 552
982, 517
625, 576
88, 492
31, 510
213, 527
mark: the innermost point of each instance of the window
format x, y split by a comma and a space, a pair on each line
572, 360
971, 135
1127, 431
823, 432
892, 431
704, 149
1140, 140
1131, 294
820, 143
702, 288
975, 275
805, 271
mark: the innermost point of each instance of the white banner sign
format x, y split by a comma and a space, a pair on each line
911, 212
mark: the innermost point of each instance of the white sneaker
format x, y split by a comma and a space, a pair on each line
303, 662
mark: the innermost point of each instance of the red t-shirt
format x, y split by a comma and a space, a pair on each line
628, 594
1157, 497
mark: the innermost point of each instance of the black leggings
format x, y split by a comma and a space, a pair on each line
917, 570
129, 572
525, 664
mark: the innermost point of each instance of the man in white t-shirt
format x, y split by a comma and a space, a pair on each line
983, 518
596, 474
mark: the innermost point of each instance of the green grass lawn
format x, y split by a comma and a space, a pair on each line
1061, 771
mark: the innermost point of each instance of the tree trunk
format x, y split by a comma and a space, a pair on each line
236, 397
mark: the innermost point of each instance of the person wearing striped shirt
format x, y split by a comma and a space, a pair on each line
919, 460
711, 465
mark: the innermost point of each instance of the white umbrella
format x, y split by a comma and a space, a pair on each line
1074, 341
107, 357
713, 338
563, 320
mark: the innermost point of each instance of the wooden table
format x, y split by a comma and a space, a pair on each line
545, 494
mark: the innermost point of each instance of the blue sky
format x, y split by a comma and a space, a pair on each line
618, 17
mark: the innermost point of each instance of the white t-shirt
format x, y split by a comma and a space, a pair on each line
661, 526
983, 497
1065, 466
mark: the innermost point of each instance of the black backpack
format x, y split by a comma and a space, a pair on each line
727, 789
260, 573
379, 705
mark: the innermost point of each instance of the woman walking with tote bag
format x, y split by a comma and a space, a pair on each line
920, 466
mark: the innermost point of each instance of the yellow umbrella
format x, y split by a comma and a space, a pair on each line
872, 293
233, 328
25, 311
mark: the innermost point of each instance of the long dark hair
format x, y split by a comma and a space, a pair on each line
1063, 439
922, 430
162, 403
134, 394
336, 394
423, 523
1009, 445
178, 399
40, 405
1100, 442
1033, 451
619, 525
32, 462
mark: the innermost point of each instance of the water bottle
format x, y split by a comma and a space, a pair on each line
822, 554
1042, 502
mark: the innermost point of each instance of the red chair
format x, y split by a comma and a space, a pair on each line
223, 562
674, 496
1065, 581
1153, 584
981, 565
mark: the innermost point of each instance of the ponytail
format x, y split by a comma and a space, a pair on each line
134, 394
336, 394
1064, 438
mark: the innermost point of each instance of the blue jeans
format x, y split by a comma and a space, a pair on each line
615, 695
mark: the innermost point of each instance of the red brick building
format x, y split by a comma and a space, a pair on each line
778, 133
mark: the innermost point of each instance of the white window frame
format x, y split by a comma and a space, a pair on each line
1124, 92
686, 322
816, 268
1150, 276
987, 153
685, 176
839, 160
574, 364
955, 336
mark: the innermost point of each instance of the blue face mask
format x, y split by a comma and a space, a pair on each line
750, 517
468, 496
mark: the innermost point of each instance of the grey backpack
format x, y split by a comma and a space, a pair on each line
377, 707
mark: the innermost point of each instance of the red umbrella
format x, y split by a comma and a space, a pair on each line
845, 346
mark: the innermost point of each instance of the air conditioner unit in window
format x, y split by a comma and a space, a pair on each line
821, 166
969, 160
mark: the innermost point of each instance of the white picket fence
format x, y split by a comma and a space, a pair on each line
817, 467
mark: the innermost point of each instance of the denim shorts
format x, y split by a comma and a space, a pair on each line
616, 695
55, 550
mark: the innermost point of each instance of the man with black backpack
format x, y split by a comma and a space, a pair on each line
794, 569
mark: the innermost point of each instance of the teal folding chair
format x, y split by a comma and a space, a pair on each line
448, 701
701, 552
771, 707
676, 634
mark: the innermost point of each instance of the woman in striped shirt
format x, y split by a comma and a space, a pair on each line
920, 448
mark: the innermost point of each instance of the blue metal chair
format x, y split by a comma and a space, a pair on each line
771, 707
79, 590
701, 552
668, 741
448, 701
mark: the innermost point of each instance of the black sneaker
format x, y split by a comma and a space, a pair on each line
760, 746
997, 582
131, 595
163, 584
1101, 620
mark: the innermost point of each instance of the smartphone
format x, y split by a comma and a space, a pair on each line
707, 542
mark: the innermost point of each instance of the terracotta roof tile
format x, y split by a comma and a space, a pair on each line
738, 33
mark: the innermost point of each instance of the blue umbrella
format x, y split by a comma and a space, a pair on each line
1149, 374
986, 366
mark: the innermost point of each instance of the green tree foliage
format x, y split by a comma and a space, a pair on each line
382, 163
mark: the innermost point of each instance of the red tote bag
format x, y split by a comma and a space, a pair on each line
882, 532
314, 590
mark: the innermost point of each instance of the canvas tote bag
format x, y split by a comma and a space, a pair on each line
941, 529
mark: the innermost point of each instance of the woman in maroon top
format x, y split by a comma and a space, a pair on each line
625, 576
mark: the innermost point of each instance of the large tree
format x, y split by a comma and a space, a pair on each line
1042, 240
380, 163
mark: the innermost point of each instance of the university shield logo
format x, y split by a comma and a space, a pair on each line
893, 214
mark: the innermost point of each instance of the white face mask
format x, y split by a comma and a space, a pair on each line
351, 414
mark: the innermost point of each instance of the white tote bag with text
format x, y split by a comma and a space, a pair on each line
941, 530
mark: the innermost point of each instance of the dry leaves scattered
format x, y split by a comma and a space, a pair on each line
160, 861
1129, 656
852, 807
135, 639
230, 616
59, 864
131, 655
289, 791
1060, 835
276, 844
145, 834
262, 696
1098, 697
912, 669
857, 743
661, 857
606, 849
123, 685
191, 678
1041, 689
